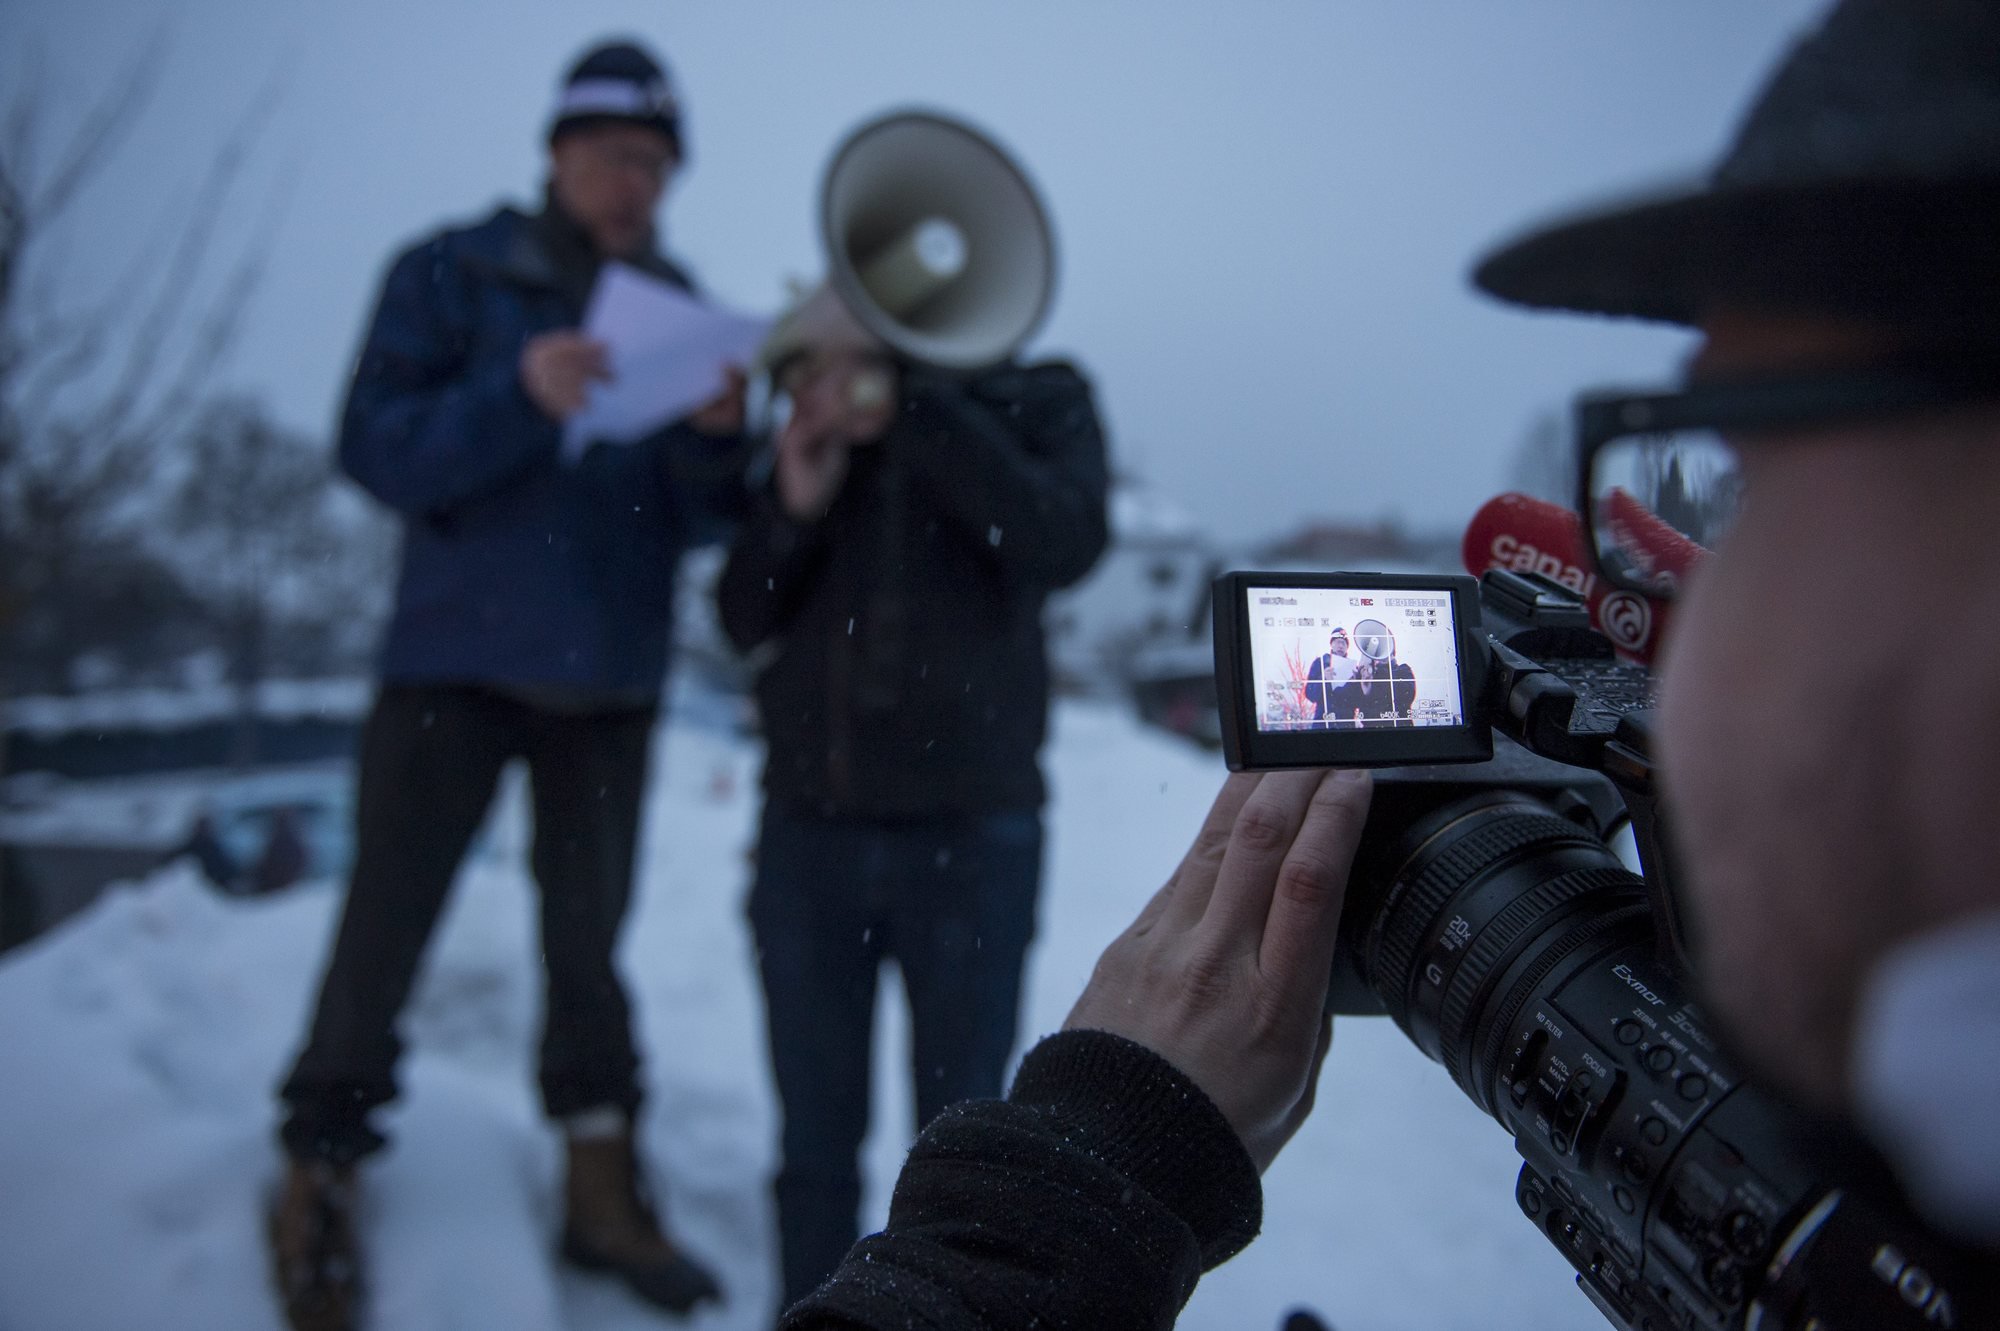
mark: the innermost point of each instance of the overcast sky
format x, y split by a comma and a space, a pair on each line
1265, 210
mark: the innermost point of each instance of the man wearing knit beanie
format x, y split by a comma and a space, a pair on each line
532, 622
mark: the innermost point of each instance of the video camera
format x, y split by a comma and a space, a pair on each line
1490, 918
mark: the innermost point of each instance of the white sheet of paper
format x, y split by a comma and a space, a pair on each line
668, 352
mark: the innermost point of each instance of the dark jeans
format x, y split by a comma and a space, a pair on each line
952, 902
430, 759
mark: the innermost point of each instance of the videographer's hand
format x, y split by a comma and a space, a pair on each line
558, 368
1224, 973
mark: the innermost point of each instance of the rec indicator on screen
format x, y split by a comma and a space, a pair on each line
1356, 658
1350, 669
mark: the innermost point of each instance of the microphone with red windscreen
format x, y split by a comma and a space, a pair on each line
1529, 535
1657, 551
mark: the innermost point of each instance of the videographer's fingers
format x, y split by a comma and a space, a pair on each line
1304, 906
1259, 843
1187, 892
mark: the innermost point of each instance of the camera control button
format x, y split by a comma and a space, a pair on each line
1628, 1031
1747, 1235
1659, 1058
1654, 1131
1624, 1200
1692, 1086
1725, 1280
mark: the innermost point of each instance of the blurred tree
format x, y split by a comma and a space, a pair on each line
94, 387
1543, 463
289, 561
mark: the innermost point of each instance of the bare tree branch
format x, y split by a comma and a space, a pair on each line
17, 151
112, 116
88, 392
69, 355
18, 139
146, 347
69, 348
217, 330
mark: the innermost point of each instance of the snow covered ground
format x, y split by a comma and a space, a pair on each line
140, 1041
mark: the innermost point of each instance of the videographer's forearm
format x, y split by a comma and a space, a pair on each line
1095, 1196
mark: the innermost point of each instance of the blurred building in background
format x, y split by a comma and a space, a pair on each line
1148, 585
107, 779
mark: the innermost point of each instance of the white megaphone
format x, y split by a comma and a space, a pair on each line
937, 248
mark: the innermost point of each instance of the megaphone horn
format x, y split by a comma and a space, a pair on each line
937, 246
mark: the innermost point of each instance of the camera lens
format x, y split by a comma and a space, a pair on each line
1479, 905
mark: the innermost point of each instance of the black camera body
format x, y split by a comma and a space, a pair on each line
1488, 916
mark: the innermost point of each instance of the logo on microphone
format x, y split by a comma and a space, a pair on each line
1626, 619
1511, 552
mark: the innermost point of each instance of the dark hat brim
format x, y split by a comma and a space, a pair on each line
1890, 251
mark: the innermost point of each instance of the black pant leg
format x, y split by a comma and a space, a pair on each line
963, 916
818, 952
588, 775
430, 758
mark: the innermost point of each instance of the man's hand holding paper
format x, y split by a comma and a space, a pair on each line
669, 357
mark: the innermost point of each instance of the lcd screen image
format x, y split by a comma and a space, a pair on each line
1324, 658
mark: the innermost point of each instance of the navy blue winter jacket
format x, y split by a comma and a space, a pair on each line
518, 569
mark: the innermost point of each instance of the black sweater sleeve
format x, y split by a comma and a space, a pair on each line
770, 568
1015, 461
1092, 1199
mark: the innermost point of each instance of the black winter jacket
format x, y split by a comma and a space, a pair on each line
1091, 1199
904, 671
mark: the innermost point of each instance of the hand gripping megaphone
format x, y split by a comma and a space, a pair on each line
937, 248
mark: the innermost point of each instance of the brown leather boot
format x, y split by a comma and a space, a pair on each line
609, 1225
315, 1261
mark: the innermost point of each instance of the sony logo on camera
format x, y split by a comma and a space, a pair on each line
1914, 1286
